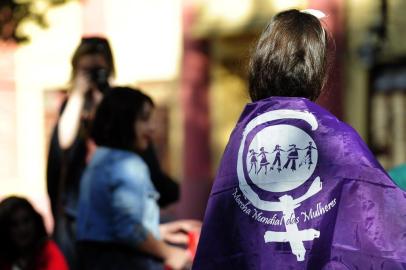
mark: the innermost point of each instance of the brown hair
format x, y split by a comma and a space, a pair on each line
90, 46
290, 58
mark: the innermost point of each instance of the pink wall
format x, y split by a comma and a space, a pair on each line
332, 98
197, 176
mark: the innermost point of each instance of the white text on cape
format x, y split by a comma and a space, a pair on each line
279, 220
320, 210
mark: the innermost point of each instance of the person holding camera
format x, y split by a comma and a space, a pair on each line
70, 146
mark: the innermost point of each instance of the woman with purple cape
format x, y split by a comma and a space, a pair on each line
343, 212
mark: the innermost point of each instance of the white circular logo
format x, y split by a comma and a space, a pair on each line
281, 158
276, 158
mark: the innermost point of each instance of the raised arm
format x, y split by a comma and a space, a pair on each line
69, 121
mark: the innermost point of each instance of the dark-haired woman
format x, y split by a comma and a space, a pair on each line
118, 214
344, 212
70, 146
24, 243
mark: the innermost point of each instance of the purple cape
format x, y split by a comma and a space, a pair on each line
298, 189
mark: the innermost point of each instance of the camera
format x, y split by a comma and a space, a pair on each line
100, 77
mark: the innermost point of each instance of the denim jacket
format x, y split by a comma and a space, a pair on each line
117, 202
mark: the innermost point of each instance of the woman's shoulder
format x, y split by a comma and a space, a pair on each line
122, 162
115, 155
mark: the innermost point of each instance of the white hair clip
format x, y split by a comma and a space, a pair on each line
315, 12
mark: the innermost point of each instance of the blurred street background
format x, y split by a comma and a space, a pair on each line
191, 56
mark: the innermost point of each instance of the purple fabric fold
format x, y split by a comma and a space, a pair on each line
298, 189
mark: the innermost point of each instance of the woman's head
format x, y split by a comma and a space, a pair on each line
290, 58
21, 226
93, 52
123, 120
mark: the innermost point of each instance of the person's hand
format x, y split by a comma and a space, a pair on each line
176, 232
81, 83
177, 258
84, 89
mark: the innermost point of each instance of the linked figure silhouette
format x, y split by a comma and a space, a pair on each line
253, 161
264, 161
277, 159
308, 157
292, 157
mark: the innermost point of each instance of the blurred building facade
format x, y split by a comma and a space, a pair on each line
191, 56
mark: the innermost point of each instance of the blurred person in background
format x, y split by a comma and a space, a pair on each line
341, 211
118, 214
24, 243
71, 146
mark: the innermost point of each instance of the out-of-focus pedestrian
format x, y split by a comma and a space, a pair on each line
70, 147
24, 243
340, 211
118, 214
